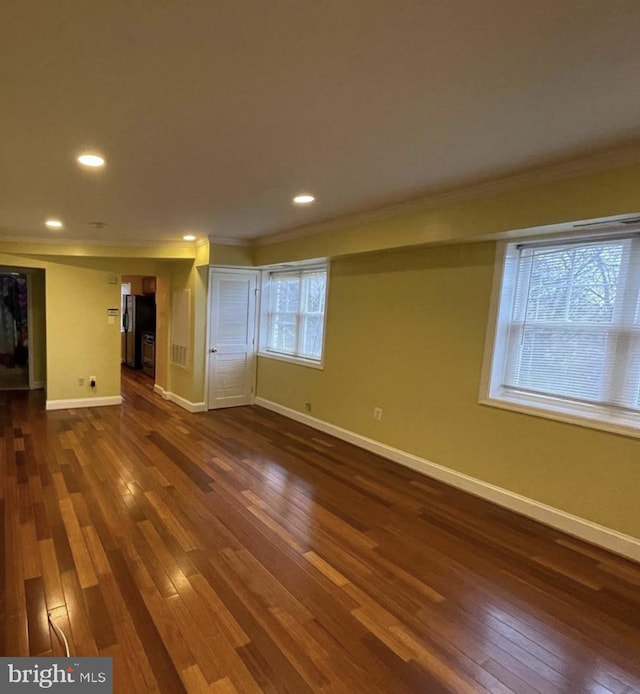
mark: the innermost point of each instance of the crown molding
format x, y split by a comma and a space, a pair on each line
112, 243
131, 250
222, 241
556, 170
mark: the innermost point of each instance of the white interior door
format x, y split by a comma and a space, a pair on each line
232, 351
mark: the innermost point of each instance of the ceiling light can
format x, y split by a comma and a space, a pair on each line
93, 161
304, 199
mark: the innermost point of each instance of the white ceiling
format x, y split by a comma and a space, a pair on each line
213, 113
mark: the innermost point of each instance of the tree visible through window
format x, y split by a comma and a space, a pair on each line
296, 313
569, 326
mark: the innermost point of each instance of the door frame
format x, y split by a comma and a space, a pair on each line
30, 330
230, 269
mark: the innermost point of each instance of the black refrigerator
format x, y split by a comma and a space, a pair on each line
139, 317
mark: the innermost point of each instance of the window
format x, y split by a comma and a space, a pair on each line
293, 313
567, 337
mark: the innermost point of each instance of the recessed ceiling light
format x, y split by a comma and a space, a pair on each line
189, 237
304, 199
92, 160
54, 224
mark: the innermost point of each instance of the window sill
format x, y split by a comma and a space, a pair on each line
292, 360
626, 425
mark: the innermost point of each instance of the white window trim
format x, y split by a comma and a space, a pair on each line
491, 394
266, 353
277, 356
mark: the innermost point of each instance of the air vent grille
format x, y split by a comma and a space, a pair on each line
179, 355
180, 322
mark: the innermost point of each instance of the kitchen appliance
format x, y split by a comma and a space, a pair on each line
139, 317
149, 354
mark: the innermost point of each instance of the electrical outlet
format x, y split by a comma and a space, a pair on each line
92, 381
81, 381
307, 407
377, 413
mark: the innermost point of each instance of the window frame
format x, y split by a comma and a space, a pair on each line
265, 300
492, 392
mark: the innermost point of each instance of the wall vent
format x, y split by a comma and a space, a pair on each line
180, 323
179, 355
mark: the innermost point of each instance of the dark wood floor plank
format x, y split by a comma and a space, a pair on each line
39, 637
177, 457
99, 618
161, 663
238, 551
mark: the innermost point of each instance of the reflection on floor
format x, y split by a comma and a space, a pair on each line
237, 551
15, 378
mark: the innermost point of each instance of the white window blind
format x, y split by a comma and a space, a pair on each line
569, 337
295, 318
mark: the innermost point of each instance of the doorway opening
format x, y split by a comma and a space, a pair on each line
14, 332
22, 329
138, 326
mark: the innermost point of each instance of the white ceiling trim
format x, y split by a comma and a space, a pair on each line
599, 161
90, 243
221, 241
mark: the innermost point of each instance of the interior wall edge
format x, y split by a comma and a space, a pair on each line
178, 400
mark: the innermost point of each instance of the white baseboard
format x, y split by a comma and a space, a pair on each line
38, 385
185, 404
72, 403
596, 534
161, 391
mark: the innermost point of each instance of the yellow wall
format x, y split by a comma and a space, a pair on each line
79, 289
81, 282
234, 255
80, 342
406, 332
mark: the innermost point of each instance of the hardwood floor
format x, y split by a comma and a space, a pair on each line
14, 378
237, 551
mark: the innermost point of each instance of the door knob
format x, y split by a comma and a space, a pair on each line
213, 350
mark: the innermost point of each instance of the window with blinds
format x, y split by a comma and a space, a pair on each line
568, 329
295, 314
